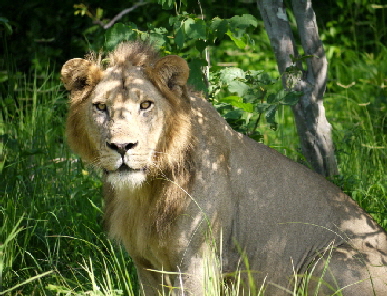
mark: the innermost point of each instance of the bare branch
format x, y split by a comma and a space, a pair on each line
120, 15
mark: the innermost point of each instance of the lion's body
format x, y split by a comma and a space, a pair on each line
178, 178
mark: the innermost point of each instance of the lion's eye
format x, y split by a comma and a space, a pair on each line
100, 106
146, 105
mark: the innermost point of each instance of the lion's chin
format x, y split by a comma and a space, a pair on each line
124, 179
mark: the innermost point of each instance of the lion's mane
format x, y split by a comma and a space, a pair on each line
173, 161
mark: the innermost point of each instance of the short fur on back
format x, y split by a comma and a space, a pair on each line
179, 181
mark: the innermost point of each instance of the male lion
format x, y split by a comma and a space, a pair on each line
179, 183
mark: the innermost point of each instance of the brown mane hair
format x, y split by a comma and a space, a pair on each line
165, 193
138, 54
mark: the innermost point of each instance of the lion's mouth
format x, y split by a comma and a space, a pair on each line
124, 168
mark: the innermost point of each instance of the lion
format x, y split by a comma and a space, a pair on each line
180, 183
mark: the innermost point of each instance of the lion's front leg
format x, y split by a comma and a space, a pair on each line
187, 281
155, 283
190, 279
150, 283
198, 272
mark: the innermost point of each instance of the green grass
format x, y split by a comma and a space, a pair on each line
357, 104
51, 206
51, 234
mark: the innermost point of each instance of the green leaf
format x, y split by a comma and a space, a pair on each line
200, 45
255, 94
166, 4
158, 37
254, 74
174, 22
292, 98
238, 103
237, 40
277, 97
243, 21
179, 39
228, 75
239, 87
261, 108
236, 114
270, 98
219, 27
195, 29
239, 24
196, 75
257, 136
247, 107
270, 114
91, 30
231, 100
273, 126
99, 13
118, 33
184, 2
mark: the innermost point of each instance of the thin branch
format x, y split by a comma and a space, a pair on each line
120, 15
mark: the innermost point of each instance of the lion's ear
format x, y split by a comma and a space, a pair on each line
172, 71
80, 76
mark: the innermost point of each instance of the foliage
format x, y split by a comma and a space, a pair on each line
185, 30
255, 95
190, 36
352, 23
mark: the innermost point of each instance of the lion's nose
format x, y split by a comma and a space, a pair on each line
121, 148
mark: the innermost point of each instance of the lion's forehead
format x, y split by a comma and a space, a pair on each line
123, 85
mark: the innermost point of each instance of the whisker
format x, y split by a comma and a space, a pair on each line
95, 163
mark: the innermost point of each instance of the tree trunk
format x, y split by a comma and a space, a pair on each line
313, 128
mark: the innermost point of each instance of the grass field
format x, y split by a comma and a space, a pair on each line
52, 242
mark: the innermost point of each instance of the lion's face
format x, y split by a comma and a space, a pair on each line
123, 119
128, 114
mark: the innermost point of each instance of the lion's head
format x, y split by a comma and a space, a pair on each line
130, 118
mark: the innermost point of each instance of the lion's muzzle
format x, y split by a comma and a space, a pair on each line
121, 148
129, 166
